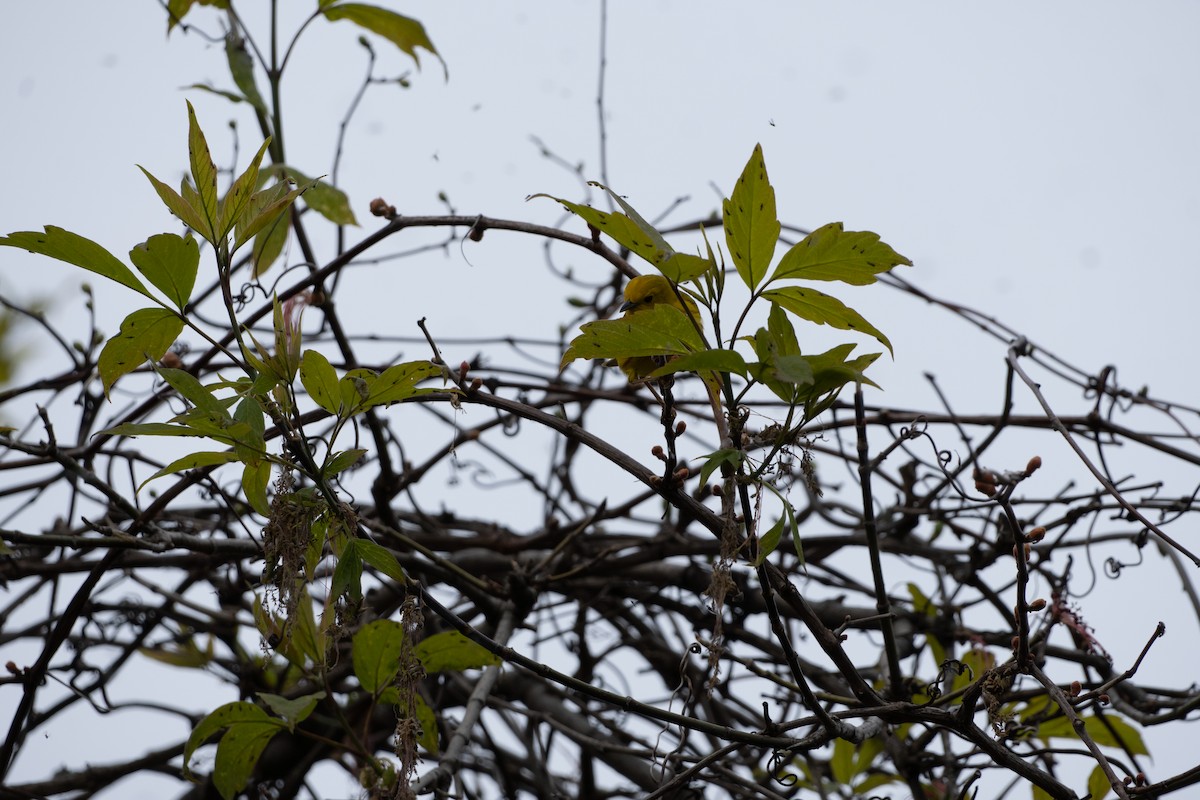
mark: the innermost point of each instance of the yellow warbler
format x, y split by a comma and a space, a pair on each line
642, 293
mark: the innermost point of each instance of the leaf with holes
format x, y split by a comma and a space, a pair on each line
405, 33
832, 254
751, 225
822, 309
170, 262
144, 334
376, 654
450, 650
75, 249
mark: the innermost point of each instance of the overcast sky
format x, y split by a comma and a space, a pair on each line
1036, 161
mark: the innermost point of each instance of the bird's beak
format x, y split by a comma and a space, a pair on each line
626, 306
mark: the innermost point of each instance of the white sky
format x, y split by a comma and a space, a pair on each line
1037, 161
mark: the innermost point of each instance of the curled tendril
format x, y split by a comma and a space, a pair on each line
510, 424
1113, 566
245, 294
918, 428
775, 765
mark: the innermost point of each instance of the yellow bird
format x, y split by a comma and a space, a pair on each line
642, 293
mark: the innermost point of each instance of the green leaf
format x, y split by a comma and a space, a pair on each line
822, 309
921, 603
238, 753
978, 661
864, 787
405, 33
75, 249
399, 382
235, 201
450, 650
864, 756
255, 479
187, 213
341, 462
831, 370
222, 717
832, 254
257, 215
192, 461
250, 411
1098, 784
768, 542
645, 227
1113, 731
1040, 794
170, 262
144, 334
151, 429
751, 226
381, 559
632, 233
429, 732
292, 710
682, 267
232, 97
783, 333
661, 330
204, 176
730, 456
347, 574
178, 9
841, 764
328, 201
193, 391
706, 360
320, 380
376, 654
781, 367
789, 521
221, 427
306, 637
187, 654
269, 242
241, 67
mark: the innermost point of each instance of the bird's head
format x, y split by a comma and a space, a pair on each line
646, 291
